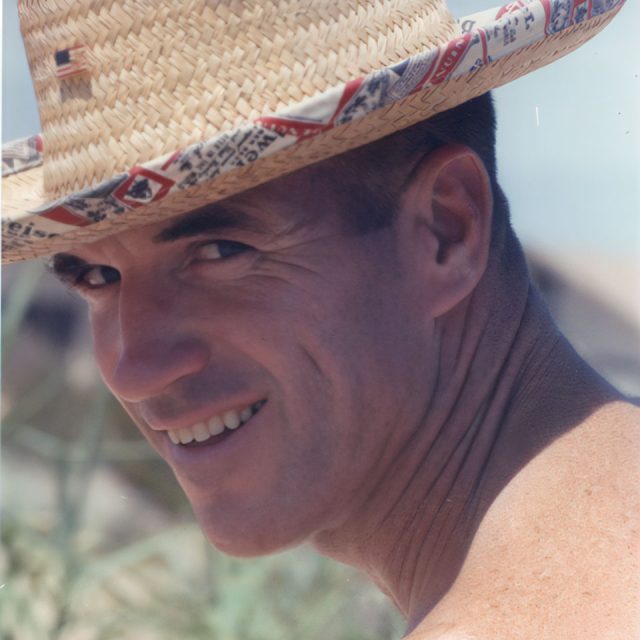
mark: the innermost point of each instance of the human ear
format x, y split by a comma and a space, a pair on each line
446, 212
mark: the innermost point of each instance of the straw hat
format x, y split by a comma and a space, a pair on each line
150, 109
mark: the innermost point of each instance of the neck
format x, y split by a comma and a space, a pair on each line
494, 405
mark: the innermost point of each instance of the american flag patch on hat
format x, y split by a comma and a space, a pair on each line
71, 61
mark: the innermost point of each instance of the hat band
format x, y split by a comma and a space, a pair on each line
487, 37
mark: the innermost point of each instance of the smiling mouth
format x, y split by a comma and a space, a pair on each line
216, 427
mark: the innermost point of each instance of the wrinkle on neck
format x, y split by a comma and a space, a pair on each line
499, 355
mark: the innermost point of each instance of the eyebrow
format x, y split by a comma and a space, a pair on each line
213, 218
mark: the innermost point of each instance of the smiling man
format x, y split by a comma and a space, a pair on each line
323, 321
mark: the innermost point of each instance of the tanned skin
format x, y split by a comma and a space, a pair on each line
425, 420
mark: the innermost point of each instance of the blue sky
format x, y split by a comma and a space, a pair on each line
568, 137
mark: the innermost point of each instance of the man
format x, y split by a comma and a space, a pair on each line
344, 347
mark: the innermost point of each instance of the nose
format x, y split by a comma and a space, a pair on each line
149, 368
150, 347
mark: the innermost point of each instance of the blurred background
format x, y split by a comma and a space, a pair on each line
97, 540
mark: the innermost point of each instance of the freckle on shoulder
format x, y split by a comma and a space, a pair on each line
443, 631
613, 434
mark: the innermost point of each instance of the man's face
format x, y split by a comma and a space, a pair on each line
265, 301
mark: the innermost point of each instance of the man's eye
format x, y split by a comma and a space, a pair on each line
96, 277
220, 249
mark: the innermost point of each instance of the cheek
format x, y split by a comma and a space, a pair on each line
365, 347
384, 347
105, 341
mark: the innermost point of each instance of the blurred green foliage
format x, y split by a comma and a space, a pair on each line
62, 577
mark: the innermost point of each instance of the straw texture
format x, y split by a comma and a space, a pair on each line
174, 105
398, 115
163, 75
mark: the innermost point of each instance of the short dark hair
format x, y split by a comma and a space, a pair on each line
369, 176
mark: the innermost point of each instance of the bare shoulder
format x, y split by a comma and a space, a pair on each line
558, 553
605, 448
618, 422
446, 631
440, 632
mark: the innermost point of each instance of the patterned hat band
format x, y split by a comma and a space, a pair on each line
147, 114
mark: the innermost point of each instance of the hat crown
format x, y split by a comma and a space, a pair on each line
146, 78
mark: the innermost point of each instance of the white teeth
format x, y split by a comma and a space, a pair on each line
215, 425
202, 431
231, 420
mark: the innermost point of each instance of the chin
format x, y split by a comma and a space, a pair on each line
243, 548
242, 536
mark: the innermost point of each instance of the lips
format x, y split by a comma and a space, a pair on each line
205, 431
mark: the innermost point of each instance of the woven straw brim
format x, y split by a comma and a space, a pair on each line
23, 191
160, 76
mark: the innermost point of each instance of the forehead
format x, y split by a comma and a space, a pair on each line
307, 199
